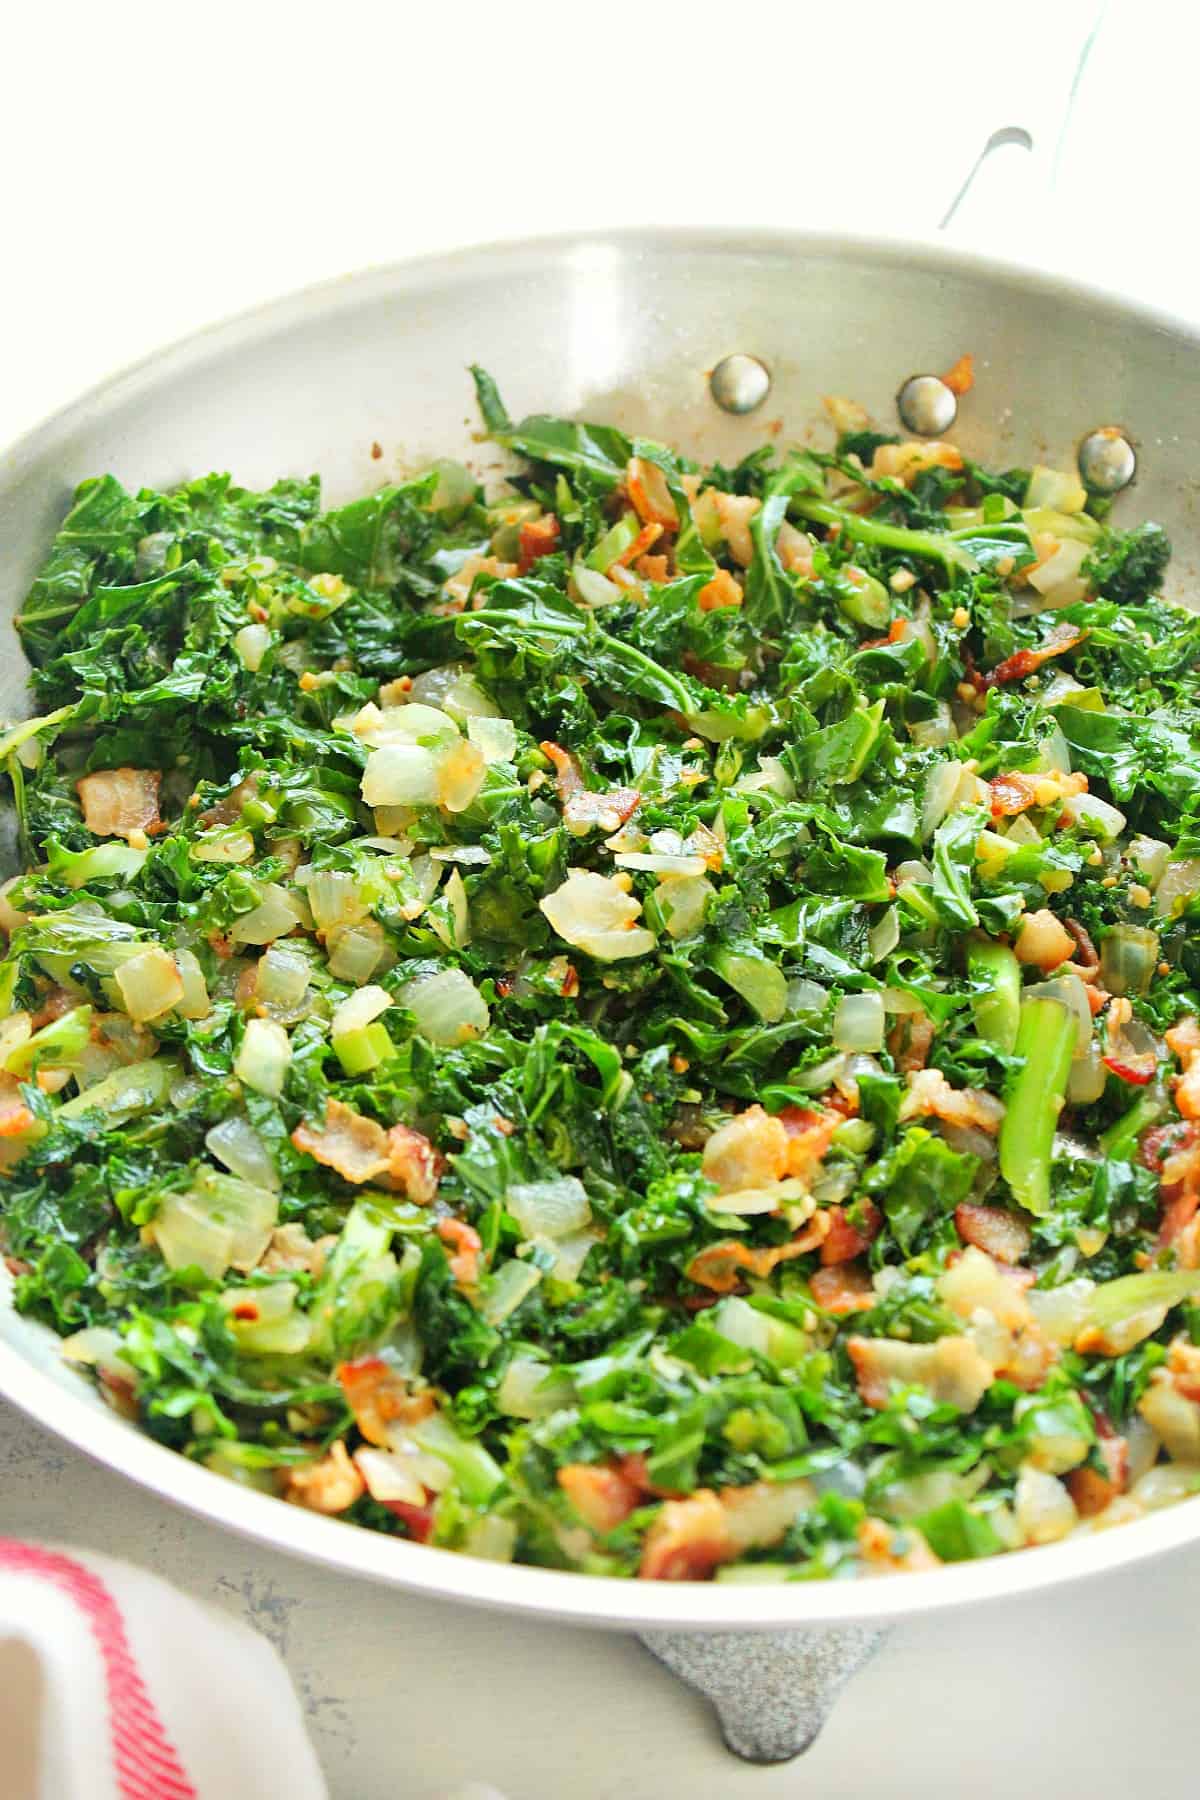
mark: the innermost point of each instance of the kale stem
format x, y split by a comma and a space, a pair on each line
1045, 1047
866, 530
997, 974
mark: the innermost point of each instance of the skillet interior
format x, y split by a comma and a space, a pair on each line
621, 328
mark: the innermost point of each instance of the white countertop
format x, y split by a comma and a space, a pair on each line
165, 166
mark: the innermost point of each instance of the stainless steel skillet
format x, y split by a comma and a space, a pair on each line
622, 327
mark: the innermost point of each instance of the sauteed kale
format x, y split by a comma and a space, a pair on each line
645, 1024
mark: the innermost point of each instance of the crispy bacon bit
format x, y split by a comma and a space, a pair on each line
117, 802
892, 1549
749, 1150
649, 494
653, 568
961, 378
1001, 1234
846, 1241
1090, 1491
1183, 1041
809, 1135
329, 1486
1012, 793
734, 513
229, 810
15, 1117
688, 1540
929, 1093
568, 776
349, 1142
902, 462
378, 1397
1086, 955
951, 1368
721, 591
632, 553
413, 1164
1172, 1151
457, 590
537, 538
419, 1519
843, 1287
1064, 637
603, 1496
717, 1266
584, 811
910, 1041
467, 1244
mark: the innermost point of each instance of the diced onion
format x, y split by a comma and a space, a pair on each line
683, 901
334, 899
266, 1320
1045, 1511
804, 995
1059, 489
276, 914
448, 1007
552, 1209
1179, 882
281, 979
453, 927
531, 1390
391, 1476
251, 644
1070, 992
884, 934
235, 1143
1128, 959
1095, 816
195, 1003
98, 1347
512, 1283
1062, 1312
224, 847
1088, 1077
460, 772
933, 733
858, 1022
655, 863
150, 984
496, 739
1149, 857
596, 913
355, 950
948, 786
359, 1010
400, 775
593, 588
1058, 580
262, 1061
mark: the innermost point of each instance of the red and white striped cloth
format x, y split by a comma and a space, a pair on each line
115, 1686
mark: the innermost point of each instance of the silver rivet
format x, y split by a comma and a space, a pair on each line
739, 383
926, 405
1107, 461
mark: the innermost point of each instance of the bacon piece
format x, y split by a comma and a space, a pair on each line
1086, 955
717, 1266
844, 1287
721, 591
750, 1150
688, 1540
1001, 1234
329, 1486
1011, 794
890, 1549
910, 1041
585, 810
809, 1135
734, 513
413, 1164
929, 1093
379, 1396
1183, 1040
846, 1241
649, 494
635, 552
951, 1369
419, 1519
653, 568
117, 802
602, 1495
349, 1142
568, 776
1064, 637
537, 538
467, 1244
961, 378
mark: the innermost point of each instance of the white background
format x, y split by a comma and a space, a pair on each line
163, 165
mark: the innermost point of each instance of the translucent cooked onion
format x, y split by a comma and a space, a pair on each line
1069, 991
933, 733
1088, 1077
400, 775
1176, 886
391, 1476
266, 1321
1058, 580
551, 1209
658, 863
683, 901
531, 1390
858, 1022
593, 588
195, 1003
277, 913
150, 984
281, 979
912, 870
1045, 1511
334, 899
1128, 959
460, 771
1095, 816
251, 644
224, 847
355, 951
235, 1143
98, 1347
453, 923
948, 786
448, 1007
512, 1283
1059, 489
496, 739
597, 913
359, 1010
804, 995
263, 1059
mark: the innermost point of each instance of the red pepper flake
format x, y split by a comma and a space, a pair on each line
376, 452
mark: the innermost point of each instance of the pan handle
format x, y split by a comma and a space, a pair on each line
1004, 201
